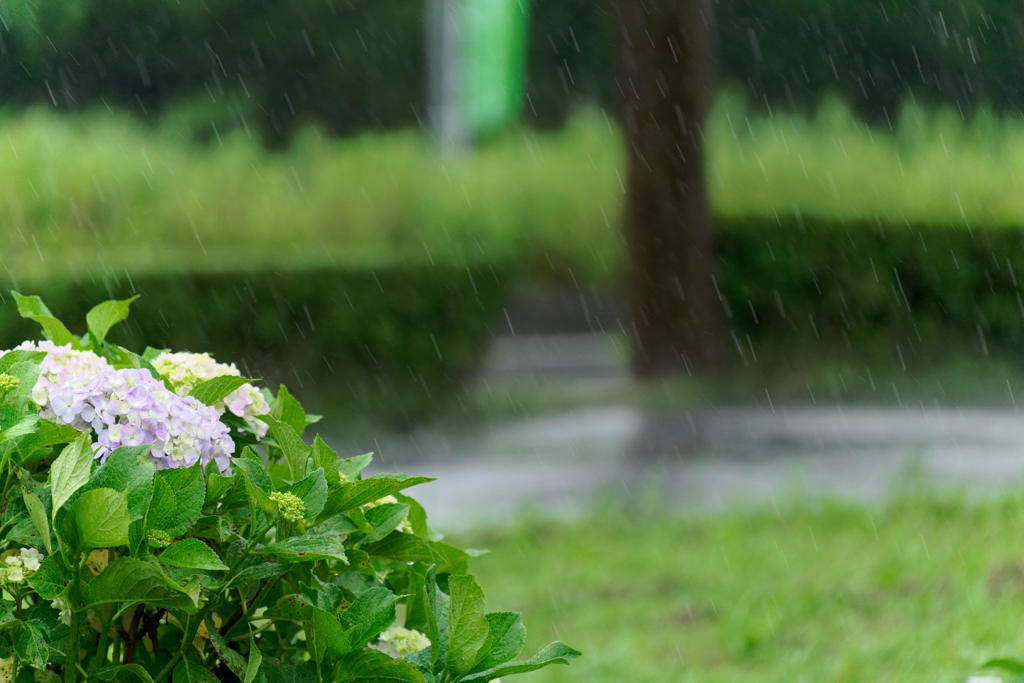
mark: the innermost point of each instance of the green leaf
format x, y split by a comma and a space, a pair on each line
129, 580
384, 519
374, 666
353, 467
103, 316
178, 496
402, 547
291, 444
507, 637
33, 308
1015, 666
112, 672
191, 671
307, 548
370, 613
101, 519
30, 643
20, 356
37, 513
469, 627
438, 609
213, 391
357, 493
70, 471
252, 666
50, 433
326, 459
327, 635
288, 410
257, 483
191, 553
555, 653
258, 572
27, 374
23, 427
234, 661
128, 469
313, 492
50, 579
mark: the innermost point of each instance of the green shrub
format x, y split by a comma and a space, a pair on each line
389, 342
135, 547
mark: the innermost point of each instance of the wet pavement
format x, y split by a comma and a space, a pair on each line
699, 460
703, 460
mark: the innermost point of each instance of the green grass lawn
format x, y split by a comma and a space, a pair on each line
922, 589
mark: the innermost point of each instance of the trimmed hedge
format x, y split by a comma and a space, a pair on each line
388, 342
872, 287
398, 342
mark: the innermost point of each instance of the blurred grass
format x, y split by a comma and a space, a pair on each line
925, 588
100, 193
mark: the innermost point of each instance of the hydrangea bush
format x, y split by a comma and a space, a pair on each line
163, 519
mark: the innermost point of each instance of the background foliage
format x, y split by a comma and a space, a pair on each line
270, 67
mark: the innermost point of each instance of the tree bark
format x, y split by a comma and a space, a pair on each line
666, 81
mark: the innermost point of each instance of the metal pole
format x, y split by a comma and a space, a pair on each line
444, 57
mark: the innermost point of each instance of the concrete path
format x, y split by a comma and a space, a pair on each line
702, 460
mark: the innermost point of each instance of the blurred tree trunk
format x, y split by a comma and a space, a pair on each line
666, 83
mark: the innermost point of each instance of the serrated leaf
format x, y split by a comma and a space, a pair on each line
354, 494
288, 410
24, 426
213, 391
252, 666
33, 308
191, 671
37, 513
103, 316
507, 636
30, 642
49, 580
555, 653
325, 458
353, 467
373, 666
191, 553
231, 658
291, 444
370, 613
101, 519
127, 579
438, 611
469, 627
20, 356
307, 548
384, 519
70, 471
127, 469
178, 496
113, 672
49, 433
313, 492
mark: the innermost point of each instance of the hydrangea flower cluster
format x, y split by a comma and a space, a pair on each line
398, 641
22, 565
127, 407
187, 370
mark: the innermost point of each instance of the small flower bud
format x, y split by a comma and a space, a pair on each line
158, 538
8, 383
289, 506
